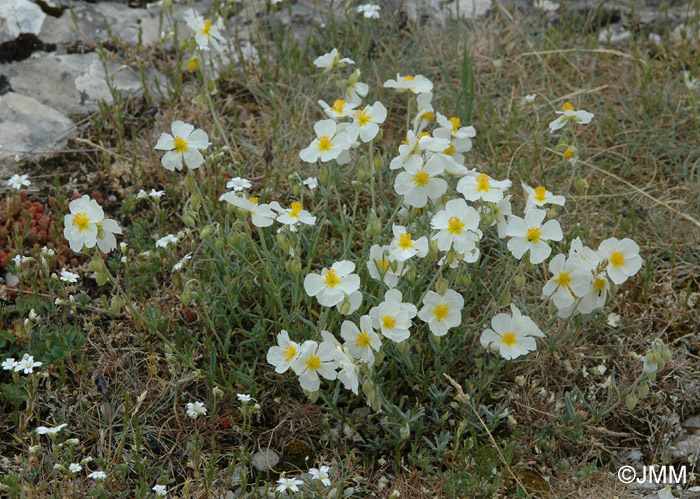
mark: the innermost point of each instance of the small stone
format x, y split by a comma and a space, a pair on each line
265, 459
19, 16
692, 422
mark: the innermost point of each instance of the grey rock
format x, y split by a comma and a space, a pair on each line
19, 16
692, 422
77, 83
686, 444
28, 127
265, 459
440, 10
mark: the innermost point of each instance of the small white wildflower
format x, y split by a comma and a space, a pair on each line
68, 276
154, 194
160, 490
320, 474
74, 468
27, 364
243, 397
238, 184
18, 181
196, 409
311, 182
165, 241
98, 475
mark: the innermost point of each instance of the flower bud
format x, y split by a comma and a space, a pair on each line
293, 266
405, 432
219, 244
377, 138
363, 172
323, 175
296, 190
186, 298
631, 401
505, 299
116, 304
411, 274
580, 185
189, 181
345, 306
441, 286
195, 202
464, 279
519, 280
374, 228
188, 220
207, 231
211, 87
433, 250
313, 396
643, 390
403, 347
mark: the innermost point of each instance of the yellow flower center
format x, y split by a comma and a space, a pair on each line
563, 279
388, 321
313, 363
540, 194
362, 117
362, 340
253, 200
207, 27
180, 145
428, 116
424, 134
421, 179
289, 352
455, 226
567, 107
408, 78
296, 208
482, 183
405, 241
383, 265
324, 143
192, 65
533, 235
406, 142
509, 339
617, 259
599, 284
456, 123
331, 279
338, 106
81, 220
440, 312
449, 151
568, 154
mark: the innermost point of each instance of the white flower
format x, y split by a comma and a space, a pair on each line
481, 186
420, 182
369, 11
43, 430
512, 335
293, 215
403, 246
262, 215
354, 89
142, 194
205, 32
393, 317
106, 229
418, 84
160, 490
315, 359
425, 113
282, 355
154, 194
33, 316
442, 312
530, 98
410, 151
500, 211
165, 241
288, 484
243, 397
353, 300
332, 60
366, 122
339, 109
18, 181
569, 114
328, 144
623, 258
196, 409
530, 234
691, 84
67, 276
182, 262
9, 364
311, 182
587, 257
569, 280
320, 474
27, 364
238, 184
383, 267
540, 196
98, 475
183, 145
546, 5
80, 226
331, 285
349, 371
457, 227
452, 127
596, 295
360, 342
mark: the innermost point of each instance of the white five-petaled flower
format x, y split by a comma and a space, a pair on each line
160, 490
81, 224
531, 234
596, 295
50, 431
512, 335
569, 114
293, 215
452, 127
320, 474
98, 475
360, 342
500, 211
425, 113
331, 285
166, 241
205, 32
154, 194
420, 182
418, 84
196, 409
481, 186
569, 281
368, 11
348, 369
622, 257
457, 227
182, 262
691, 84
403, 246
238, 184
311, 182
288, 485
442, 312
27, 364
282, 355
383, 267
586, 256
183, 145
354, 89
366, 121
9, 364
141, 194
68, 276
18, 181
393, 317
340, 108
315, 359
262, 215
411, 149
332, 60
530, 98
75, 468
244, 397
540, 196
329, 143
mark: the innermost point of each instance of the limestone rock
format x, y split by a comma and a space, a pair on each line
19, 16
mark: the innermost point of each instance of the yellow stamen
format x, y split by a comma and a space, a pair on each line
192, 65
289, 352
338, 106
207, 27
81, 220
568, 154
253, 200
362, 117
383, 265
440, 312
362, 340
617, 259
324, 143
313, 363
405, 241
455, 226
456, 123
421, 179
482, 183
180, 145
406, 142
408, 78
331, 279
296, 208
540, 194
563, 279
567, 107
509, 339
533, 235
388, 321
428, 116
599, 284
424, 134
449, 151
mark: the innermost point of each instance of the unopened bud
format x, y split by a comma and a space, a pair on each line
505, 299
186, 298
363, 172
293, 266
345, 307
207, 231
411, 274
313, 396
195, 202
374, 228
631, 401
211, 87
433, 252
441, 286
377, 138
580, 185
643, 390
403, 347
219, 244
188, 220
189, 181
296, 190
323, 176
116, 304
464, 279
519, 280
